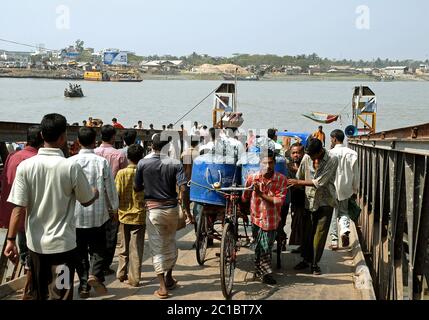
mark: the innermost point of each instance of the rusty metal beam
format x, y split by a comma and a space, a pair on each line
419, 132
412, 140
17, 131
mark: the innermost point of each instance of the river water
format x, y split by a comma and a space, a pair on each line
264, 104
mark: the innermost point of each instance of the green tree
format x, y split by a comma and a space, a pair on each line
79, 45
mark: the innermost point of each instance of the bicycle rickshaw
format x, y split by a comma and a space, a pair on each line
228, 217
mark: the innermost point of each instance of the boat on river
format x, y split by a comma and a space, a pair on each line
73, 91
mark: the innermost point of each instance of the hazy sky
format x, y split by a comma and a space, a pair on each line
398, 29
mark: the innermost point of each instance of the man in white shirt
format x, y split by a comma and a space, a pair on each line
91, 221
346, 185
273, 144
46, 188
204, 131
195, 129
209, 142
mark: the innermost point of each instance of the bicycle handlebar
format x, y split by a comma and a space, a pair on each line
226, 189
235, 188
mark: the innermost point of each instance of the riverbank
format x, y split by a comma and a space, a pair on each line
283, 77
39, 74
184, 75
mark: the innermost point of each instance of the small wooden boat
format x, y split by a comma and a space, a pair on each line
73, 91
321, 117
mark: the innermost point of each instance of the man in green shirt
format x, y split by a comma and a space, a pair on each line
317, 174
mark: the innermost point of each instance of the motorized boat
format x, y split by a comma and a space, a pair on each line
73, 91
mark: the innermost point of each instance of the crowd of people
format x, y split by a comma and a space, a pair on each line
68, 212
202, 130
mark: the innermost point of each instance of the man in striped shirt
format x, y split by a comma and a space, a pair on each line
266, 201
91, 221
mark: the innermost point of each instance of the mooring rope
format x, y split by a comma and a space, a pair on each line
195, 106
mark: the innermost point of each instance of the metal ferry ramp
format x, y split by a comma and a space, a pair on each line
394, 197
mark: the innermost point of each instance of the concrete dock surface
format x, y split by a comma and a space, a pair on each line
339, 280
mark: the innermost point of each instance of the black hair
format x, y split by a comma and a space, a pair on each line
320, 127
338, 134
212, 132
195, 140
86, 136
107, 132
130, 136
233, 129
135, 153
34, 137
267, 153
204, 127
151, 125
271, 133
314, 146
114, 120
53, 126
157, 143
296, 144
139, 121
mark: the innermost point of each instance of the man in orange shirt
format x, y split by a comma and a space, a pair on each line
319, 134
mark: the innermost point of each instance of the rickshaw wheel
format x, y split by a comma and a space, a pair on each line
227, 259
202, 238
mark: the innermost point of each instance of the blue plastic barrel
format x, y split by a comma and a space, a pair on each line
205, 173
281, 166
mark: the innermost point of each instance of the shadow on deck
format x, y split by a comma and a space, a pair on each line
343, 277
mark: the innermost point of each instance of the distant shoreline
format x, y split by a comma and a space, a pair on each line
281, 77
36, 74
60, 75
218, 77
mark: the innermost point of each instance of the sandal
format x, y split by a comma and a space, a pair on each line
333, 246
159, 295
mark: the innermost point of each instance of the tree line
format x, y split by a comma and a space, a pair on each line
303, 60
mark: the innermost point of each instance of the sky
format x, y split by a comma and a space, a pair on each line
335, 29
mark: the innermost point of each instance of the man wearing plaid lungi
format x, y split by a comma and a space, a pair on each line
266, 200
